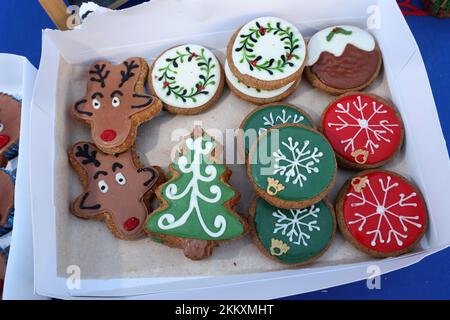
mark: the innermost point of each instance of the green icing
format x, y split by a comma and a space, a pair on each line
306, 232
267, 117
196, 198
301, 160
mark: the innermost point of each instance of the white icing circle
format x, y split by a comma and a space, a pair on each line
318, 43
268, 46
250, 91
186, 75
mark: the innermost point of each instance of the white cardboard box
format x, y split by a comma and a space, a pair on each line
148, 30
17, 78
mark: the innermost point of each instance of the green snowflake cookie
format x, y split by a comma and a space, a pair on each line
292, 166
292, 236
268, 48
267, 116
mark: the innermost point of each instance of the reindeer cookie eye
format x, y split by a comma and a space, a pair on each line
1, 127
120, 178
115, 102
103, 186
96, 104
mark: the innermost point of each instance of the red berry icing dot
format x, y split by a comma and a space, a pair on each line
383, 212
131, 224
362, 129
108, 135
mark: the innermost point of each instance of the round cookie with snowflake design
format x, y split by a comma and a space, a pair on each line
381, 213
291, 166
265, 117
258, 96
364, 130
342, 59
188, 79
267, 53
292, 236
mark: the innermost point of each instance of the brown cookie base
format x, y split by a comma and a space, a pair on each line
106, 215
258, 83
346, 233
275, 201
344, 163
260, 101
317, 83
263, 250
189, 111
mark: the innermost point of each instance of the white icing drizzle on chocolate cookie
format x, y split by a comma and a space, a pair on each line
335, 39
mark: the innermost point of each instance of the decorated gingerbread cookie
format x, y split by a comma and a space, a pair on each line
267, 53
188, 79
115, 103
9, 128
7, 186
292, 236
258, 96
342, 59
364, 130
197, 203
265, 117
291, 166
381, 213
116, 188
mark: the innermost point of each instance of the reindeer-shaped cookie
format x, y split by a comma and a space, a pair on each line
9, 128
115, 103
116, 188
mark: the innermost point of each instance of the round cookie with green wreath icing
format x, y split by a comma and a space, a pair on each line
187, 79
291, 166
265, 117
254, 95
292, 236
267, 53
342, 59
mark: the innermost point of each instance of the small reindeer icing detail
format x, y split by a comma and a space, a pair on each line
9, 128
115, 103
115, 188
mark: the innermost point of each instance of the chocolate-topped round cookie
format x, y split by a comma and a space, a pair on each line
342, 59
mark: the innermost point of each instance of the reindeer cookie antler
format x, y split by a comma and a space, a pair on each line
115, 103
116, 188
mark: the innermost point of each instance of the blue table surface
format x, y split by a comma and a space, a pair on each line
21, 23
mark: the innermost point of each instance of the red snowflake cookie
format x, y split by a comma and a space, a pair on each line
364, 130
382, 213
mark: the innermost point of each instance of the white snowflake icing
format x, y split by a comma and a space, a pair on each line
375, 132
385, 213
270, 120
296, 223
298, 163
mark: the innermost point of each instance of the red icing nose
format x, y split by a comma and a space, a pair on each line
4, 139
131, 224
108, 135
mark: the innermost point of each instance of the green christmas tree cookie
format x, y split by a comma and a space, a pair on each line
197, 203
